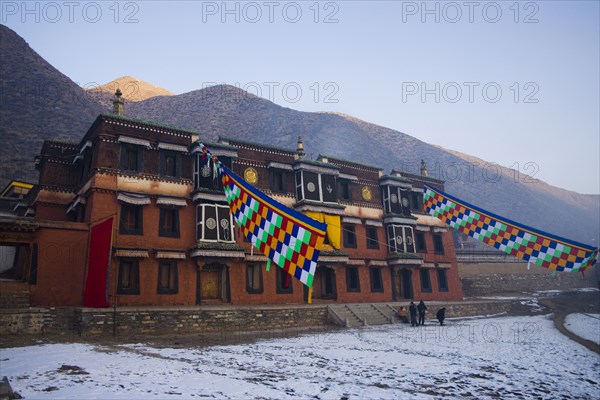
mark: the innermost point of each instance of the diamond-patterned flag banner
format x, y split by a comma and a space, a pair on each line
523, 242
288, 238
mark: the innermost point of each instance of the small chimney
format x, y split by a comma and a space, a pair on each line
423, 168
300, 149
118, 105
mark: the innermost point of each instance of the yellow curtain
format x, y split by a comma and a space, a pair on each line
334, 228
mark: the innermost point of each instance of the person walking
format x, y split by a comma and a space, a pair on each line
441, 315
421, 308
412, 310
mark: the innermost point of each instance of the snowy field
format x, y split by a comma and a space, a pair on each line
586, 326
510, 357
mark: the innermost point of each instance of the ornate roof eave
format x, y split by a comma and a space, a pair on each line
217, 249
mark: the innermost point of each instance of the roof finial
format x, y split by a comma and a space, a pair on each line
118, 105
300, 149
423, 168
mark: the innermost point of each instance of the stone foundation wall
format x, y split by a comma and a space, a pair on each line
148, 321
28, 322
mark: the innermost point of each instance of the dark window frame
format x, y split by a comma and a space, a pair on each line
376, 272
372, 241
164, 211
344, 187
442, 279
349, 236
126, 210
421, 243
280, 276
276, 184
438, 244
249, 288
176, 164
349, 271
416, 202
425, 279
127, 149
169, 264
134, 277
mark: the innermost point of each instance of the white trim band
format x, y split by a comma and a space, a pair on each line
350, 220
169, 201
133, 253
173, 255
372, 222
278, 165
171, 146
132, 140
138, 200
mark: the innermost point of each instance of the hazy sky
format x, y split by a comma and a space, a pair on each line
516, 83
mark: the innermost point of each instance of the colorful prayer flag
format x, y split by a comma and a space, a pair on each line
523, 242
289, 238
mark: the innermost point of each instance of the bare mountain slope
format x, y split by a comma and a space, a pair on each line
133, 89
37, 102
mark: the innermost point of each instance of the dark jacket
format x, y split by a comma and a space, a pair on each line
441, 314
421, 307
412, 309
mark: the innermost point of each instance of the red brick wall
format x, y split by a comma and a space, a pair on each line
62, 255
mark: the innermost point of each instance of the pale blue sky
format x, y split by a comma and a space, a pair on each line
372, 59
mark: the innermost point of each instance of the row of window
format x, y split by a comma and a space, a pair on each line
129, 277
132, 221
214, 223
132, 160
168, 281
400, 239
442, 280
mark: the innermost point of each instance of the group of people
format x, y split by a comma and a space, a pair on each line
419, 310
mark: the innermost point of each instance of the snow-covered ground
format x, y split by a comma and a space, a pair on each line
509, 357
586, 326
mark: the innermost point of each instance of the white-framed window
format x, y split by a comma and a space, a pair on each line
316, 187
401, 239
214, 223
396, 200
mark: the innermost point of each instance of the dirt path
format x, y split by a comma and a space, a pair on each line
570, 303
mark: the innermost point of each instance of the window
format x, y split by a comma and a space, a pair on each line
421, 245
372, 240
214, 223
315, 186
131, 220
277, 180
129, 277
284, 282
400, 239
416, 202
344, 190
132, 158
352, 279
376, 281
349, 236
442, 280
438, 244
169, 222
204, 173
170, 164
254, 282
167, 277
425, 281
